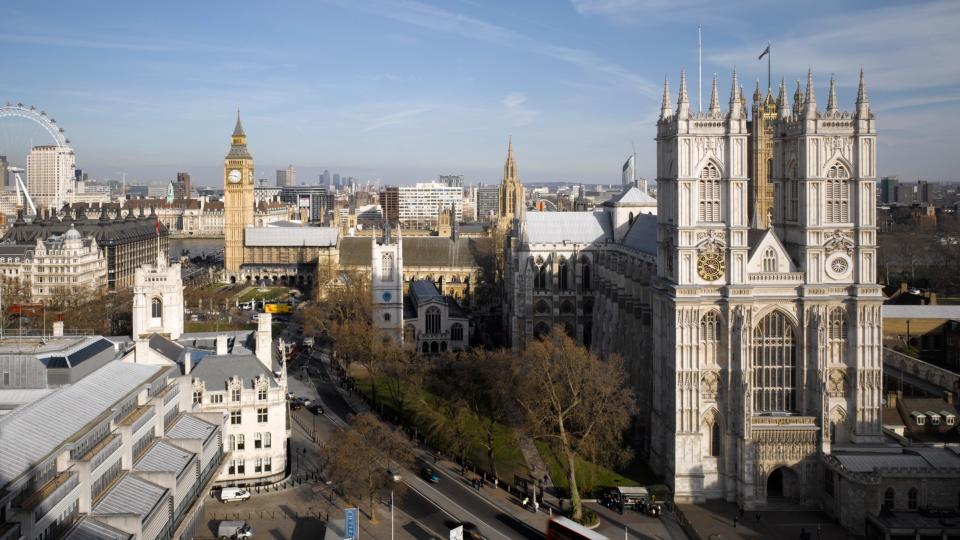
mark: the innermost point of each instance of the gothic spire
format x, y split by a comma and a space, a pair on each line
510, 167
797, 100
863, 101
810, 101
756, 93
832, 98
238, 129
683, 103
714, 98
782, 100
666, 107
736, 105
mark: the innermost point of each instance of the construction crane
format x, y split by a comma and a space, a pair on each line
21, 186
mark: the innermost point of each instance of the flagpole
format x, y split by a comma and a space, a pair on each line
768, 66
699, 70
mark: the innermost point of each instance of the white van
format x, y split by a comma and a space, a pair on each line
228, 494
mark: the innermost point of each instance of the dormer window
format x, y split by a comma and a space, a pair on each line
949, 418
919, 418
934, 418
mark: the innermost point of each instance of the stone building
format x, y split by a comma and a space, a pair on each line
65, 266
433, 322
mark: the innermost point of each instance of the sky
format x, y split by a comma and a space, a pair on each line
406, 90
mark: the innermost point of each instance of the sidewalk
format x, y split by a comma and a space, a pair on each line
713, 520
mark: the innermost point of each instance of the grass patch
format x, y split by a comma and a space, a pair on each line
215, 326
507, 455
267, 293
589, 476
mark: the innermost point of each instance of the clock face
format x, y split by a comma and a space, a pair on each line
710, 266
387, 296
234, 176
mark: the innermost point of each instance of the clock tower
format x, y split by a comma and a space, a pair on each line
386, 283
237, 199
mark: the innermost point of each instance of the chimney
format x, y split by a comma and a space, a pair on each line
221, 345
948, 397
187, 363
265, 340
57, 328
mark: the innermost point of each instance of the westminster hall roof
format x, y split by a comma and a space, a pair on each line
423, 251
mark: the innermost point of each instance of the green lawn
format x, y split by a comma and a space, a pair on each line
215, 326
267, 293
507, 454
589, 475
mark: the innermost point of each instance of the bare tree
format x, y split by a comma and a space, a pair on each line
577, 402
357, 460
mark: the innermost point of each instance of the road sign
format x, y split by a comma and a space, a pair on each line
457, 533
351, 524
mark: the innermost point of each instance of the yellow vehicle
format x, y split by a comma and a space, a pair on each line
277, 308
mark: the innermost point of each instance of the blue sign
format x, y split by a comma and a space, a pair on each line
351, 524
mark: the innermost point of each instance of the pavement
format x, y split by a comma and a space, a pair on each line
496, 512
713, 520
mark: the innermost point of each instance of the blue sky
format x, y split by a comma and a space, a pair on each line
406, 90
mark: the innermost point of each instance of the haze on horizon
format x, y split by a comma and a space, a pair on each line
406, 90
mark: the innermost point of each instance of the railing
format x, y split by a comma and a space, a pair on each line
171, 392
103, 451
925, 371
776, 277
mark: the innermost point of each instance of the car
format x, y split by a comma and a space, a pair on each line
429, 475
471, 532
394, 474
315, 408
295, 404
229, 493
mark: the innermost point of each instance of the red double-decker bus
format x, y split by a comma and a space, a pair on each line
561, 528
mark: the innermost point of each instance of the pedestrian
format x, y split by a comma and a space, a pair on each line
757, 517
525, 501
436, 458
735, 518
740, 512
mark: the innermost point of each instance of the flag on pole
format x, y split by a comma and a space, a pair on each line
628, 171
765, 52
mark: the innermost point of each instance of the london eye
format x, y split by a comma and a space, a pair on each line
23, 127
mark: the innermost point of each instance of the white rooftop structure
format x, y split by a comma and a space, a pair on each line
567, 227
292, 236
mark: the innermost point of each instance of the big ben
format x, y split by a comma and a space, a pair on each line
237, 199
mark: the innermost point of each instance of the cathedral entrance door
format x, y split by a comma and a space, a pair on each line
781, 484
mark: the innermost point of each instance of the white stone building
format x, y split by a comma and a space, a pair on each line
386, 282
65, 265
421, 203
232, 374
433, 322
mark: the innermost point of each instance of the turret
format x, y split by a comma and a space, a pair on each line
736, 105
666, 107
863, 102
683, 103
756, 94
782, 101
714, 99
810, 100
832, 98
797, 100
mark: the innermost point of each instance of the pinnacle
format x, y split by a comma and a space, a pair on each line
714, 98
832, 98
238, 129
683, 87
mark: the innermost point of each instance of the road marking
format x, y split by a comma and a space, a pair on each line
448, 499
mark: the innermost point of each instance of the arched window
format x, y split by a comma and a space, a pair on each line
710, 337
889, 499
540, 330
542, 306
715, 438
793, 211
562, 278
540, 280
443, 346
837, 334
426, 347
433, 320
912, 499
837, 192
774, 365
770, 260
156, 308
566, 307
585, 273
386, 267
456, 332
709, 191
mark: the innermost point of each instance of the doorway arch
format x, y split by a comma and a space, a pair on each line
782, 483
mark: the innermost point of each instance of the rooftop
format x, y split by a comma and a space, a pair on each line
921, 312
435, 251
632, 197
642, 235
569, 227
291, 236
89, 528
131, 495
164, 457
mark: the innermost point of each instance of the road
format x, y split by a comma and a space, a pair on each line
437, 506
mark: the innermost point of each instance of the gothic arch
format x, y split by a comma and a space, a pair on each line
711, 429
788, 313
710, 160
834, 161
837, 429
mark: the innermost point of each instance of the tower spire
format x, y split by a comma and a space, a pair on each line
666, 107
810, 100
756, 93
832, 98
782, 100
736, 106
238, 129
714, 98
863, 101
510, 167
683, 103
797, 100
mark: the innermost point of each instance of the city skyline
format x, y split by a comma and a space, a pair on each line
406, 91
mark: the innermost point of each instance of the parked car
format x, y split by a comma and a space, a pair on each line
296, 404
429, 475
315, 408
228, 494
234, 530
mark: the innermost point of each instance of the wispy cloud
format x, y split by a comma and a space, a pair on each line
392, 119
441, 20
515, 104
